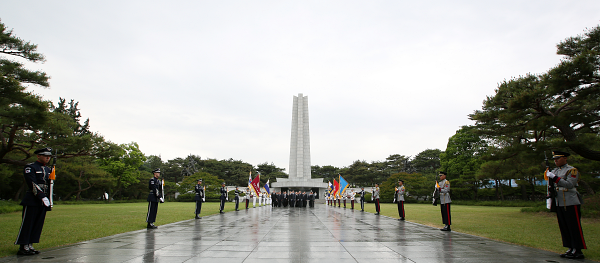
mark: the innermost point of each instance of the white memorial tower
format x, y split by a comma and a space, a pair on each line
299, 169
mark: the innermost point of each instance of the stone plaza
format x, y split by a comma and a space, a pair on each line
319, 234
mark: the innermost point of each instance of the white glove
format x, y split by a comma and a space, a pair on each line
162, 200
46, 201
550, 175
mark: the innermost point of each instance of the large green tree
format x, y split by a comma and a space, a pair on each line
556, 109
462, 160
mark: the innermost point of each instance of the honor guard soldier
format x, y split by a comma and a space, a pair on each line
199, 198
568, 205
362, 199
444, 190
154, 197
223, 197
35, 203
344, 198
247, 197
399, 197
237, 198
376, 199
352, 196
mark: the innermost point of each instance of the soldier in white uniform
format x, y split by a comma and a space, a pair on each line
568, 205
260, 197
352, 194
444, 189
248, 195
399, 197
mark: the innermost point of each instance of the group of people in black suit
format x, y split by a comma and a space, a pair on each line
293, 199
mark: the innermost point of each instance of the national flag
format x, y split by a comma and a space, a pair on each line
330, 188
336, 187
343, 184
254, 185
266, 187
250, 179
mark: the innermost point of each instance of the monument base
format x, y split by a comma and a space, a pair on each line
300, 184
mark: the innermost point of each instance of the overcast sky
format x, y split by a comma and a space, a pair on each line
217, 78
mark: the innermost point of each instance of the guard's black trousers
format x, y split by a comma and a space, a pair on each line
152, 209
237, 202
247, 202
222, 205
569, 222
377, 207
198, 207
32, 224
401, 209
362, 205
446, 216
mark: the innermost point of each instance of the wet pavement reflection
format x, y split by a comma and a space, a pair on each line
264, 235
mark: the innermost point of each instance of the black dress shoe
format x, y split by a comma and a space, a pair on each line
151, 226
568, 252
446, 228
24, 251
401, 219
197, 217
33, 249
575, 255
377, 213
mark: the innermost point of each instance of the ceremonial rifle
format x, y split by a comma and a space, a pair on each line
162, 191
551, 192
436, 194
52, 177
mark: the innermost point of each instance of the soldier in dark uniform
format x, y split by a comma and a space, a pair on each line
399, 197
237, 198
274, 199
199, 198
444, 190
292, 198
376, 198
362, 199
223, 197
154, 197
35, 203
304, 199
568, 205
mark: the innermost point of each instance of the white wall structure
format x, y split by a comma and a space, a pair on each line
299, 169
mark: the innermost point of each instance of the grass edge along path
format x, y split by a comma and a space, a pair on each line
506, 224
69, 224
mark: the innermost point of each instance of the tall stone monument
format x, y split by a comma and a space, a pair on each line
299, 169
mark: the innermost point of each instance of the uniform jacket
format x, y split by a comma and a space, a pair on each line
155, 187
199, 192
362, 195
376, 193
400, 194
445, 192
223, 193
566, 182
237, 194
36, 177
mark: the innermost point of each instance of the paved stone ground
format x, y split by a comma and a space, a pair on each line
317, 234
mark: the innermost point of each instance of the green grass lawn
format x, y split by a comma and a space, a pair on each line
68, 224
508, 224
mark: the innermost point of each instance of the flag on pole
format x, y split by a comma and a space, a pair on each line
336, 187
266, 187
343, 184
330, 188
254, 185
250, 179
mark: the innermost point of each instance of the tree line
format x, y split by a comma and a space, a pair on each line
500, 157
